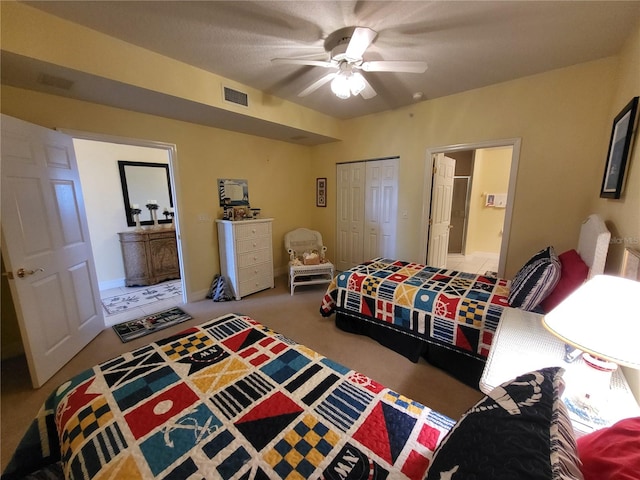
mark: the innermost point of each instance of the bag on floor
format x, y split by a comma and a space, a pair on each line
220, 290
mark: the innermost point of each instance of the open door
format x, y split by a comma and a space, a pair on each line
46, 247
440, 217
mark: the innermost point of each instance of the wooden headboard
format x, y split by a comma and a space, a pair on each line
593, 244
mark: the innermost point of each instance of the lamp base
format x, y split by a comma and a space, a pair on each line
589, 400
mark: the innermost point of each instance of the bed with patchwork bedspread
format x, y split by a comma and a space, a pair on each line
446, 316
228, 399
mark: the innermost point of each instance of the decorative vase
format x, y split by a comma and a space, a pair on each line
136, 218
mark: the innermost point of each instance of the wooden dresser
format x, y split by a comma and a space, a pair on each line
150, 256
246, 255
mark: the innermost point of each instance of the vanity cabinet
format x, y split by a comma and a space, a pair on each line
150, 256
246, 255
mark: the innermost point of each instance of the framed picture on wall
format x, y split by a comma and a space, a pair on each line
619, 148
321, 192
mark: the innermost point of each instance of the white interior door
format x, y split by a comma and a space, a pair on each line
381, 207
350, 214
440, 218
46, 247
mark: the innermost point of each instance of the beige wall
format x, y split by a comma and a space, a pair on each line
561, 118
490, 175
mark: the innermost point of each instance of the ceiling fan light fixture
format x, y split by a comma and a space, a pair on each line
340, 86
356, 83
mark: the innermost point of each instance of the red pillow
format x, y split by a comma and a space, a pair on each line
573, 273
612, 453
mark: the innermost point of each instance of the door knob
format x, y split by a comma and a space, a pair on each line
23, 273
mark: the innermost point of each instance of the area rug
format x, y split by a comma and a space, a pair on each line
143, 296
142, 326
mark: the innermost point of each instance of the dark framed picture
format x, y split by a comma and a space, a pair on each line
619, 149
321, 192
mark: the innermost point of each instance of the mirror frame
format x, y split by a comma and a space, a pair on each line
125, 190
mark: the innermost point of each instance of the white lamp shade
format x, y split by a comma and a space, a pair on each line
602, 318
340, 86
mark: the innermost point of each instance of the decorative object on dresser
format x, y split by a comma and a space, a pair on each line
150, 256
246, 255
135, 211
152, 205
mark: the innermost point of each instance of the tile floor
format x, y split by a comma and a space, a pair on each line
477, 263
130, 314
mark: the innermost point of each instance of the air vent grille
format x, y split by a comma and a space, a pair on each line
53, 81
235, 96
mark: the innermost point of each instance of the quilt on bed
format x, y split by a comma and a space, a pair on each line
229, 399
456, 310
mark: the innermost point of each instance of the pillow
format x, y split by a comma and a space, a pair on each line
612, 453
535, 280
573, 273
521, 430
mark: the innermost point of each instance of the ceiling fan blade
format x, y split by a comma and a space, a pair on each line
317, 84
302, 61
368, 91
394, 66
360, 41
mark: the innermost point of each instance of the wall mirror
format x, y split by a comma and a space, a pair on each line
142, 182
233, 191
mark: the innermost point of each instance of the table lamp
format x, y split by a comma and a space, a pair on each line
602, 319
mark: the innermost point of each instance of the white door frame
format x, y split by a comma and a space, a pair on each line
172, 153
515, 144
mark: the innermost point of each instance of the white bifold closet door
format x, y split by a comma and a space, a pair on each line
367, 203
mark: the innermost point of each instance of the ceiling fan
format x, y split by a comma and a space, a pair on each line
347, 47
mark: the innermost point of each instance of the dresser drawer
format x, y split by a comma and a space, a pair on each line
255, 278
245, 245
254, 258
253, 230
254, 271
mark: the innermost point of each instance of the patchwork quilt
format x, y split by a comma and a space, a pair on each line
229, 399
456, 310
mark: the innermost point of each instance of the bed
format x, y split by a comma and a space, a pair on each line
228, 399
232, 399
449, 317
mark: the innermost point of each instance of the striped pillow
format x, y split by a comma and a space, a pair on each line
535, 280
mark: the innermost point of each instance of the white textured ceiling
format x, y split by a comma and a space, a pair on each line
466, 44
